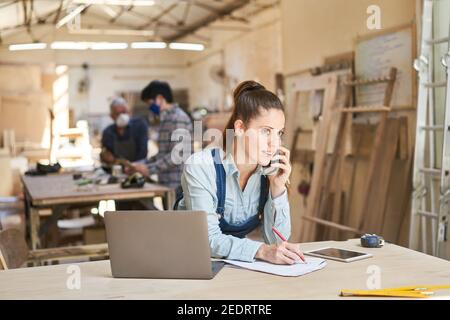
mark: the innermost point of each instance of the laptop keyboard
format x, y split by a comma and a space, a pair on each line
216, 266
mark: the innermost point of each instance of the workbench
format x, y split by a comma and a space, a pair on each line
59, 192
397, 266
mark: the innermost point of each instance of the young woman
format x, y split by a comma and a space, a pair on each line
231, 185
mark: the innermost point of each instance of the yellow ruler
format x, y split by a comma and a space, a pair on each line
400, 292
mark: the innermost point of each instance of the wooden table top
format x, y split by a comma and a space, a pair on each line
61, 189
398, 266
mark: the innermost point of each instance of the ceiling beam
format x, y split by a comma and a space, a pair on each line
186, 13
170, 14
58, 12
108, 21
7, 4
121, 12
30, 20
226, 10
206, 7
159, 16
25, 12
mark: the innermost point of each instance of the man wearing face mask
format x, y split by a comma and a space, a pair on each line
158, 95
126, 138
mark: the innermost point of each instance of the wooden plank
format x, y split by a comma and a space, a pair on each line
85, 199
335, 214
366, 109
343, 99
400, 188
368, 81
332, 224
338, 202
314, 198
345, 176
381, 159
403, 141
297, 201
34, 223
61, 253
6, 174
2, 263
326, 134
14, 252
13, 248
327, 208
349, 181
381, 164
333, 168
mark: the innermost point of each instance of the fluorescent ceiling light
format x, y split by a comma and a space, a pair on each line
114, 32
69, 45
70, 16
72, 45
117, 2
27, 46
187, 46
108, 45
148, 45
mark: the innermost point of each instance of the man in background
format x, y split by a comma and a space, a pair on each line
158, 95
125, 139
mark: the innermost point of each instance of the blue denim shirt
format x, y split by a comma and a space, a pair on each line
199, 187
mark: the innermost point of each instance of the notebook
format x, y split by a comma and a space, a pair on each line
294, 270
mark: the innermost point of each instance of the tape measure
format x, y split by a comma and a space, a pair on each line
372, 241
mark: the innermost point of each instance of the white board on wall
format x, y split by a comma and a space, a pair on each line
375, 55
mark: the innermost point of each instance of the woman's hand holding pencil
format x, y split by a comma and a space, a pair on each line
282, 253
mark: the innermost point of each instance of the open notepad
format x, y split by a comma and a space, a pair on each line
295, 270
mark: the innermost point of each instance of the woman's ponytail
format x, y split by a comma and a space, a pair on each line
249, 97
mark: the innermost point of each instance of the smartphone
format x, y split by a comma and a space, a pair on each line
269, 170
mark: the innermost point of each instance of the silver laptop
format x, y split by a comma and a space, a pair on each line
160, 244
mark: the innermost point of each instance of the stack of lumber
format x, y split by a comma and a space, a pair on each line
346, 202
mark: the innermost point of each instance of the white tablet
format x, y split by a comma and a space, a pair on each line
338, 254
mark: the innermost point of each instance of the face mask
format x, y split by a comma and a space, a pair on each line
122, 120
155, 108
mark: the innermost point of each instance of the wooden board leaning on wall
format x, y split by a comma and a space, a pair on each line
352, 170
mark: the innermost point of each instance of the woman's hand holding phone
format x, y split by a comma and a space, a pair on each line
280, 179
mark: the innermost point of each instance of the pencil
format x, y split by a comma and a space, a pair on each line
278, 234
283, 239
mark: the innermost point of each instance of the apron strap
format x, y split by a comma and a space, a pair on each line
220, 181
125, 148
263, 195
